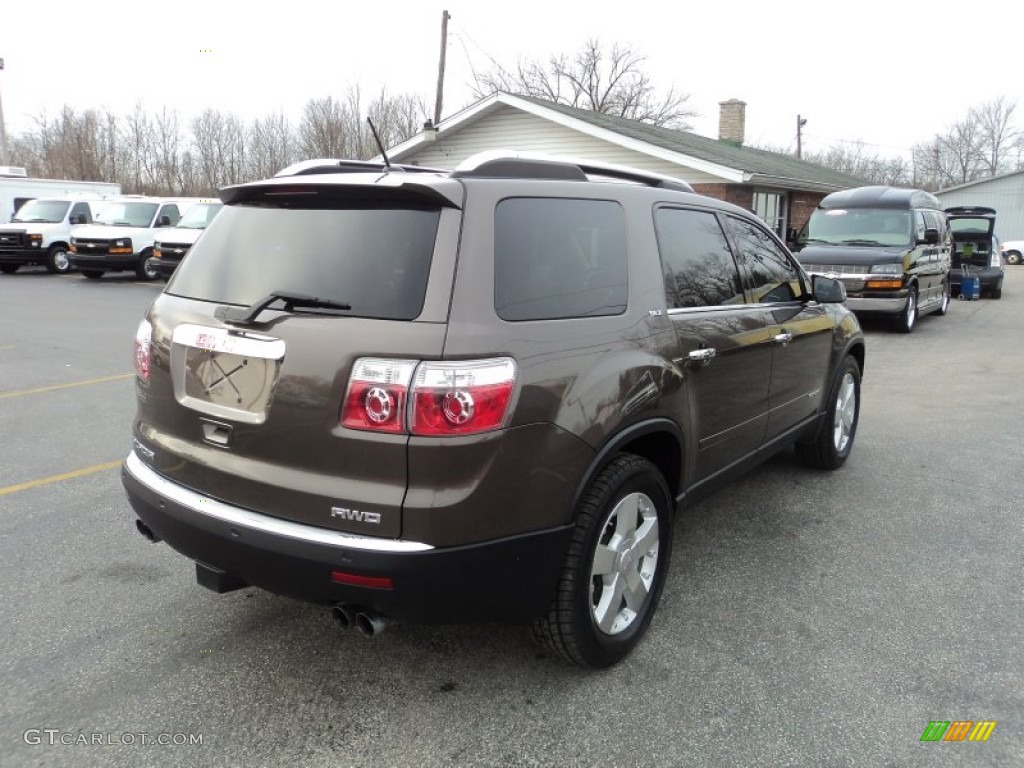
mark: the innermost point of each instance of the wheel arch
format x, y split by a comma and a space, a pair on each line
660, 441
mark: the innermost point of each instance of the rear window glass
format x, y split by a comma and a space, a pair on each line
374, 258
558, 258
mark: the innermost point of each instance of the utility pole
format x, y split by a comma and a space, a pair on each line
800, 123
440, 67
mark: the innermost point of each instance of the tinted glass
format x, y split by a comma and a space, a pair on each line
556, 258
698, 265
375, 259
772, 276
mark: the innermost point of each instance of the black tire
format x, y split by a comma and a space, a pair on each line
93, 274
9, 269
57, 261
1013, 257
944, 306
145, 270
629, 488
997, 291
907, 319
832, 443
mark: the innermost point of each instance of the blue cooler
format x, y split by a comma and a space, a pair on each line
970, 288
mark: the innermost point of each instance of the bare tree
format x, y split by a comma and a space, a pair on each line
609, 81
323, 128
270, 146
998, 138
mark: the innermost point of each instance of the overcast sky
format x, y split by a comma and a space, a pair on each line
889, 74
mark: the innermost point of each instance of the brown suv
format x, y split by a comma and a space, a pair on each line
475, 394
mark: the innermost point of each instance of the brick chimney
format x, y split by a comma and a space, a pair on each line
732, 121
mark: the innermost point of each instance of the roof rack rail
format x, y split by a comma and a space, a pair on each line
525, 165
311, 167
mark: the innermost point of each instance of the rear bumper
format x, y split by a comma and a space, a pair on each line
510, 579
988, 277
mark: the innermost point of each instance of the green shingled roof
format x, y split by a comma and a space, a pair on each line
747, 159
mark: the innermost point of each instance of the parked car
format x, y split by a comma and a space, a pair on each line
172, 244
40, 231
121, 239
975, 249
476, 394
890, 247
1013, 251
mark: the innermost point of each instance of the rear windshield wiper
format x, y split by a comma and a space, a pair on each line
247, 315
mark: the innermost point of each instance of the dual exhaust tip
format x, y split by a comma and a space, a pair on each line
366, 621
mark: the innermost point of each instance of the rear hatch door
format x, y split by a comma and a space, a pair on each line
255, 338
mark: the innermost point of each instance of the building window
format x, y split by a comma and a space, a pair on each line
770, 207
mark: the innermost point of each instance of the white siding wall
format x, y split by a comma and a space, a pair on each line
1005, 195
512, 129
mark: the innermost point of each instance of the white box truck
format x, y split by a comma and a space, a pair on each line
16, 189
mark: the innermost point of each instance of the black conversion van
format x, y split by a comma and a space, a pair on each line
890, 247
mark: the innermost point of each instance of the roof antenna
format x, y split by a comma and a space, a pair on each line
387, 163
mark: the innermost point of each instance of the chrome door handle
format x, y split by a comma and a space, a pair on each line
702, 356
783, 338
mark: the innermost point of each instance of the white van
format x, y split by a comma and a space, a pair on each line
40, 232
122, 235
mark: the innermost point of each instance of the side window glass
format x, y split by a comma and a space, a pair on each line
772, 276
170, 211
919, 225
80, 209
557, 258
698, 266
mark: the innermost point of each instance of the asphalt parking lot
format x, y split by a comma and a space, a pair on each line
809, 619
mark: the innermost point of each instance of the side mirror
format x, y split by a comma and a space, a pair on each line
931, 236
76, 218
165, 221
826, 290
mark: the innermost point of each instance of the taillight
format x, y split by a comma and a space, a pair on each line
428, 398
143, 341
461, 397
377, 394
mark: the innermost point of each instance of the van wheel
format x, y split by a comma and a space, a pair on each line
1013, 257
57, 260
997, 291
615, 568
833, 442
908, 317
944, 306
145, 270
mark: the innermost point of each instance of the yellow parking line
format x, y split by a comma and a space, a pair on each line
52, 387
6, 346
57, 478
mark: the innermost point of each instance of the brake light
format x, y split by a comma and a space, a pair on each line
461, 397
143, 342
428, 398
377, 394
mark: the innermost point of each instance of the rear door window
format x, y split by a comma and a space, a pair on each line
698, 266
374, 256
559, 258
